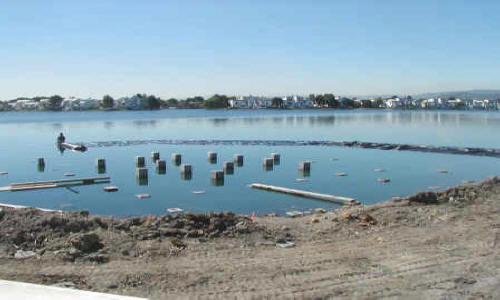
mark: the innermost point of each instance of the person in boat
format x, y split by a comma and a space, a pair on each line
61, 138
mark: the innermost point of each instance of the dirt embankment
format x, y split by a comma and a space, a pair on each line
442, 244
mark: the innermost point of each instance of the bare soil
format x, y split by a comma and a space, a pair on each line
430, 245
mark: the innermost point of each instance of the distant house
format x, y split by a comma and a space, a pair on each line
299, 102
393, 103
131, 103
238, 103
25, 105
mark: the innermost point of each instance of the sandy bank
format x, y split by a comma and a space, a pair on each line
442, 244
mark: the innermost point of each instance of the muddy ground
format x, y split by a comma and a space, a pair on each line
432, 245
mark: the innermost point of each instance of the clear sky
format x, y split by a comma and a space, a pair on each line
260, 47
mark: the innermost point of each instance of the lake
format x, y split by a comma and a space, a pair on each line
28, 135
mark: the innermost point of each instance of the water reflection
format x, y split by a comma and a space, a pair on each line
217, 182
142, 181
186, 176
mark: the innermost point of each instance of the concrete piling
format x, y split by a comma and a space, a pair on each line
155, 156
176, 158
212, 157
228, 167
140, 161
161, 166
238, 160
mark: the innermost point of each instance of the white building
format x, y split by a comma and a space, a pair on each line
393, 103
25, 105
131, 103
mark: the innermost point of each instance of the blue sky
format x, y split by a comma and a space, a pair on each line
186, 48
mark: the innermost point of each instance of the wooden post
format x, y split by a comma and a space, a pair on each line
268, 164
161, 166
176, 158
305, 166
276, 158
140, 161
186, 169
238, 159
228, 167
100, 165
212, 157
155, 156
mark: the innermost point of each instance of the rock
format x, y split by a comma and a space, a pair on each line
285, 245
87, 243
21, 254
315, 220
320, 210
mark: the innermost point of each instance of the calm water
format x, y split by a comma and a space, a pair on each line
26, 136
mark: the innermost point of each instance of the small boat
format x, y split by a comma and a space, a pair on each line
74, 147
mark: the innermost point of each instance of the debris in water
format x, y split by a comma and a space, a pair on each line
143, 196
69, 174
341, 174
110, 188
198, 192
301, 180
378, 170
334, 159
442, 171
468, 181
4, 173
434, 187
383, 180
175, 210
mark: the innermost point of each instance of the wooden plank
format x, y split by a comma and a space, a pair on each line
61, 181
306, 194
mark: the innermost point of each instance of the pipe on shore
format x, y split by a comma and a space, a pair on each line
305, 194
